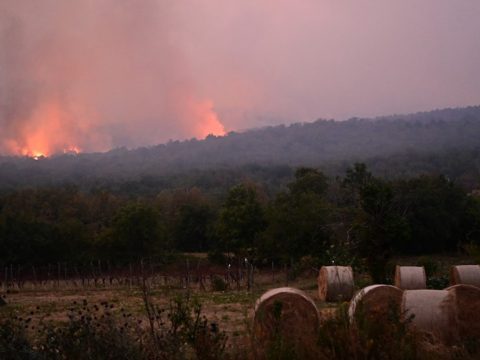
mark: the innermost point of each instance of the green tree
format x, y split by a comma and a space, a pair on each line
137, 232
308, 180
241, 219
297, 218
356, 178
378, 226
441, 215
192, 226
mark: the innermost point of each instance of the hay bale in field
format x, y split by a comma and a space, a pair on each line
467, 305
285, 314
410, 277
335, 283
432, 312
465, 274
375, 302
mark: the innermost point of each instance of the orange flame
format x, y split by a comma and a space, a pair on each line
208, 121
49, 130
55, 128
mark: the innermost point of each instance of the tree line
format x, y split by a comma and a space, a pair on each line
441, 141
327, 219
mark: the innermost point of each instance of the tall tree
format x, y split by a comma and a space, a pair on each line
297, 218
137, 232
241, 220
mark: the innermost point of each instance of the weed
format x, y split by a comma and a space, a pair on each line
218, 284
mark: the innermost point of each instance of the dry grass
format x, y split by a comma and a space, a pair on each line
232, 309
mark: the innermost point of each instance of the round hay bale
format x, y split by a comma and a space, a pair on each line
335, 283
410, 277
285, 314
465, 274
432, 312
375, 302
467, 305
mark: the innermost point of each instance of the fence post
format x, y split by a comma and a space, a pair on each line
250, 270
273, 272
19, 277
239, 273
48, 274
187, 267
142, 273
58, 274
130, 277
34, 276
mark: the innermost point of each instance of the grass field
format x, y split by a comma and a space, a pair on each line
232, 309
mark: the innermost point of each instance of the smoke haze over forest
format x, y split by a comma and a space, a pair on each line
95, 75
437, 142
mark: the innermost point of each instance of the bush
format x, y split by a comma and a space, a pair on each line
93, 332
182, 331
14, 343
218, 284
438, 282
101, 331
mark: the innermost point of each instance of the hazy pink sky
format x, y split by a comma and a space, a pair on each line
96, 74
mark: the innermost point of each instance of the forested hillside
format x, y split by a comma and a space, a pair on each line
358, 189
442, 141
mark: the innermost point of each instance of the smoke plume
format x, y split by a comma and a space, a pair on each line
89, 75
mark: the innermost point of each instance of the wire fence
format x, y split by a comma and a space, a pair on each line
98, 274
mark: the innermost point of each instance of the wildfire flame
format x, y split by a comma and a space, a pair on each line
54, 128
208, 121
49, 131
72, 150
70, 90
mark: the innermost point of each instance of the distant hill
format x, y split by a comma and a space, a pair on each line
389, 144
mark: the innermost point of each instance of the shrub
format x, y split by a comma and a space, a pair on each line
101, 331
181, 331
438, 282
14, 343
218, 284
93, 332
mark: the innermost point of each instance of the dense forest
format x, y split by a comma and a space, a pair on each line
359, 190
354, 217
438, 142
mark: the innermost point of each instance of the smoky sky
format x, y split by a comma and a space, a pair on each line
132, 73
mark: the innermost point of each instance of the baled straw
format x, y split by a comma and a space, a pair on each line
465, 274
285, 313
335, 283
432, 312
467, 307
410, 277
375, 302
